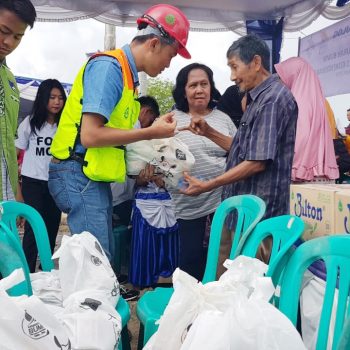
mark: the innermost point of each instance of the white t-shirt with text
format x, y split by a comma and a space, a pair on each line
37, 154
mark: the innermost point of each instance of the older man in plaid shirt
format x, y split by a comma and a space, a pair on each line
261, 153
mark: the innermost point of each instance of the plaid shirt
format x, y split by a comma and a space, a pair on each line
266, 133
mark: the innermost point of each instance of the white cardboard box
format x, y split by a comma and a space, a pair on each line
318, 206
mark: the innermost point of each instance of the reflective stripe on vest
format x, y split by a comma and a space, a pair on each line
103, 163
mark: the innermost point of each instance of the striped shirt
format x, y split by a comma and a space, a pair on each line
210, 162
267, 133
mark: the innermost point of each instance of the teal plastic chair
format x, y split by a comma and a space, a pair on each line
11, 210
344, 340
124, 312
12, 258
250, 209
335, 252
285, 231
122, 237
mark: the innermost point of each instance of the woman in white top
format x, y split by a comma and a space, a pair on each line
35, 135
195, 95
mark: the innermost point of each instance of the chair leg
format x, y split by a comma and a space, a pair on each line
298, 326
124, 343
149, 329
140, 343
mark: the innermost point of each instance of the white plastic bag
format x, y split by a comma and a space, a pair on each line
47, 287
181, 311
191, 297
83, 265
251, 324
170, 156
90, 321
26, 323
232, 313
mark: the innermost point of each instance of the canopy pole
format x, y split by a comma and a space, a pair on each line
110, 39
110, 44
143, 84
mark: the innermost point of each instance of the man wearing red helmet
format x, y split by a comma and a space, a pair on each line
98, 119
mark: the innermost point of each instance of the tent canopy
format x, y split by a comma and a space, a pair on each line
204, 15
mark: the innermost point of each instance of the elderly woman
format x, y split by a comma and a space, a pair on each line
194, 95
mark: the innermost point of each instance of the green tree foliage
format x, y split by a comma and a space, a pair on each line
161, 90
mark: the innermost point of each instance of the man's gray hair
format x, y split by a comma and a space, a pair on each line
247, 47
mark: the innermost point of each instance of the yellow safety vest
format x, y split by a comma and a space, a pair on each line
105, 164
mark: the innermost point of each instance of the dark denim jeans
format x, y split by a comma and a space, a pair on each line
88, 203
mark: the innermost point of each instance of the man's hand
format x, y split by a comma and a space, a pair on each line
195, 186
158, 180
147, 175
197, 126
164, 126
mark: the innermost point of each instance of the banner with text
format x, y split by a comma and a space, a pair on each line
328, 51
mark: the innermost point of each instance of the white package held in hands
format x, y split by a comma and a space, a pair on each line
83, 265
170, 156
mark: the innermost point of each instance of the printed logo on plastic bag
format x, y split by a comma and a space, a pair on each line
32, 328
67, 346
116, 329
180, 155
95, 260
115, 290
93, 304
185, 332
99, 248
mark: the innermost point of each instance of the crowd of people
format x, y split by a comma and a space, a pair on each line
256, 138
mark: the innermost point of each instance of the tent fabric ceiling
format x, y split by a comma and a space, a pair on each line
204, 15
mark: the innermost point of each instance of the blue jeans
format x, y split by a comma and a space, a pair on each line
88, 203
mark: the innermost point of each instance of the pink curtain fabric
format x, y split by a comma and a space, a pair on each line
314, 151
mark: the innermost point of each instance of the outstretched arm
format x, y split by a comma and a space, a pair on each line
200, 127
240, 172
94, 133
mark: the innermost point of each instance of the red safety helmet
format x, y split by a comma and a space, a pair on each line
171, 22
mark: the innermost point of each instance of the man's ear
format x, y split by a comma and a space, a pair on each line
143, 110
153, 43
257, 62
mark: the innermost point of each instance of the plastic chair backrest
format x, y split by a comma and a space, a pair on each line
344, 340
335, 252
12, 210
285, 231
12, 258
250, 209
